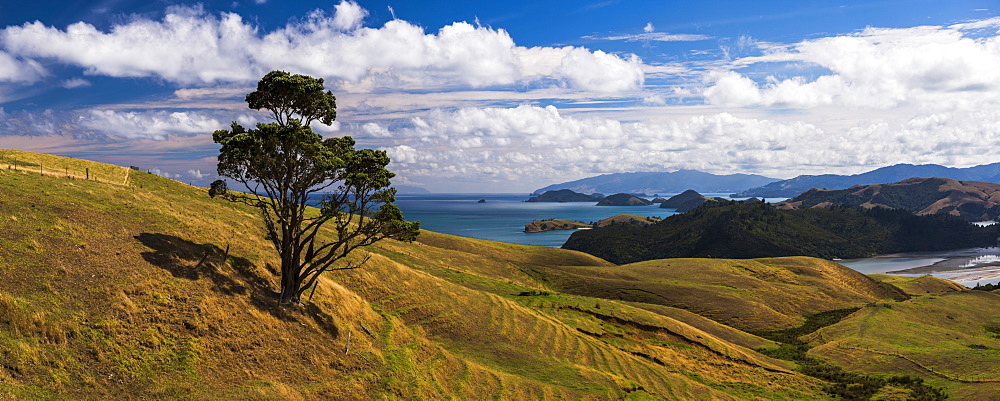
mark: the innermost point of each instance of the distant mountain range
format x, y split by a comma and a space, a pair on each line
410, 189
970, 200
662, 183
792, 187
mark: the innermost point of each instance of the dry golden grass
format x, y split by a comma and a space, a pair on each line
153, 290
923, 285
758, 294
37, 163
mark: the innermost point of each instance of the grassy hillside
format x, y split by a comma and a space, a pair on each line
952, 340
143, 287
754, 294
923, 285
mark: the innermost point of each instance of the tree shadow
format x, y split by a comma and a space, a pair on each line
188, 260
192, 261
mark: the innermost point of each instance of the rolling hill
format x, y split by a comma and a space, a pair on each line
949, 340
146, 288
970, 200
140, 287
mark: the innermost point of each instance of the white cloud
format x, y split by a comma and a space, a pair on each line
348, 16
190, 47
197, 174
649, 34
877, 67
323, 129
14, 69
157, 125
376, 130
653, 36
28, 123
75, 83
528, 146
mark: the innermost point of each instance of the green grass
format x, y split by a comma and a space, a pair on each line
939, 338
843, 384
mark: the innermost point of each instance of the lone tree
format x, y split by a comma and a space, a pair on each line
284, 164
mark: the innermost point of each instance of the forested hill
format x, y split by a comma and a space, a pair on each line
754, 230
970, 200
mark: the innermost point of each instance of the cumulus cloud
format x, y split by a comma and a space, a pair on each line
877, 67
539, 145
349, 16
191, 47
156, 125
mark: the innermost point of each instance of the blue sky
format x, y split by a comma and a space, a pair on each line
512, 96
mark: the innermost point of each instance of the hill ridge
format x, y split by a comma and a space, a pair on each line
897, 172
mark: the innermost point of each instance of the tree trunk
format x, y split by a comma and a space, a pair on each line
289, 291
289, 267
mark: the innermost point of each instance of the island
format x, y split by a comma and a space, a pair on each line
684, 201
624, 199
565, 195
537, 226
690, 199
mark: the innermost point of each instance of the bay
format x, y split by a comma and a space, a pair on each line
969, 267
502, 216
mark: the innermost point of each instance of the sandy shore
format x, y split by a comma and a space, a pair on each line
966, 265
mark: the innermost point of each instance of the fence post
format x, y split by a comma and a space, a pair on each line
88, 173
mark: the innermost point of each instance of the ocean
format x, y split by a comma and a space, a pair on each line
503, 216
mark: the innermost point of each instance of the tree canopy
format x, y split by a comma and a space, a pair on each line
286, 166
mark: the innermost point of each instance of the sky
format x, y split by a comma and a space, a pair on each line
513, 96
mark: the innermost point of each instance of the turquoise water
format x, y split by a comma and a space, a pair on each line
503, 216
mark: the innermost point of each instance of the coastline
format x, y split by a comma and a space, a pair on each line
968, 266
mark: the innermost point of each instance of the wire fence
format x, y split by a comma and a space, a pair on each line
72, 169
